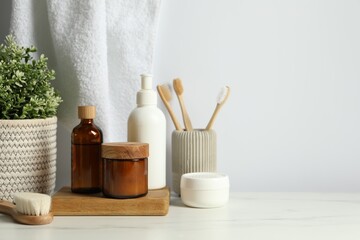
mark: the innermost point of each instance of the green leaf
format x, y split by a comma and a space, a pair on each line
25, 89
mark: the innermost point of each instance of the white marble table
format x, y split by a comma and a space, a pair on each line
247, 216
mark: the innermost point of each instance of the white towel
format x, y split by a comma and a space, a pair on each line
98, 50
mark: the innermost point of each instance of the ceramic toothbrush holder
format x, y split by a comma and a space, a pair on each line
192, 151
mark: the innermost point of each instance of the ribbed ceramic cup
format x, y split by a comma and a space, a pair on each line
192, 151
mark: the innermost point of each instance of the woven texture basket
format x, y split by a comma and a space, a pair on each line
27, 156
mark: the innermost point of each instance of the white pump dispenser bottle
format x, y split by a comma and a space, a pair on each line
147, 124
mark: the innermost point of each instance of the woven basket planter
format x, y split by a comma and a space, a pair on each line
27, 156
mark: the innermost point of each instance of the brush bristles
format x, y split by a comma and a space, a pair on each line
224, 92
165, 89
178, 87
32, 203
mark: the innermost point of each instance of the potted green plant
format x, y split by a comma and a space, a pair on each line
28, 123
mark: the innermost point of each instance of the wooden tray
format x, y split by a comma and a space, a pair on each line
66, 203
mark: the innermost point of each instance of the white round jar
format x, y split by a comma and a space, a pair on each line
204, 189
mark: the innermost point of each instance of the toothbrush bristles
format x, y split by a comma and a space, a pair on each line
166, 91
223, 94
178, 87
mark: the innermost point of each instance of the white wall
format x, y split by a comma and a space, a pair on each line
292, 121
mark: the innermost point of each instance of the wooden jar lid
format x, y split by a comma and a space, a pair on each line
124, 150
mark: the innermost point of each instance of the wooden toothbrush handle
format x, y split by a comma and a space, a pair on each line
213, 117
186, 118
172, 115
171, 112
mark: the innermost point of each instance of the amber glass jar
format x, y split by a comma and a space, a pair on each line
125, 169
86, 165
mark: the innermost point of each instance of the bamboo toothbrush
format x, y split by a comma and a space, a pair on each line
178, 87
165, 95
222, 97
30, 208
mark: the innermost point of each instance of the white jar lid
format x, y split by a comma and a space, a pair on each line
204, 181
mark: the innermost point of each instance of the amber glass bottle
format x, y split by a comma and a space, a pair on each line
86, 163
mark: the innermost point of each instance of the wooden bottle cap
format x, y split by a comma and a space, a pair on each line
86, 112
124, 150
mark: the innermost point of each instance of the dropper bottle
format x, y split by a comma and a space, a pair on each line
86, 165
147, 124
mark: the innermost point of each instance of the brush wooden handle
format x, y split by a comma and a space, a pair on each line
186, 118
9, 209
169, 108
212, 119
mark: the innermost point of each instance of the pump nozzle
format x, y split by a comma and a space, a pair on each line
146, 81
146, 96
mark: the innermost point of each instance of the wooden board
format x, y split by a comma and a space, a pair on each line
66, 203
